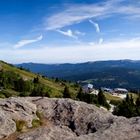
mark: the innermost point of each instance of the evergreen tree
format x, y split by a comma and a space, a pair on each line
131, 100
66, 92
127, 108
56, 80
87, 98
19, 85
80, 94
36, 80
102, 100
127, 99
138, 101
38, 88
138, 105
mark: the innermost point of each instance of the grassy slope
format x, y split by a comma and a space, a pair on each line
111, 97
56, 88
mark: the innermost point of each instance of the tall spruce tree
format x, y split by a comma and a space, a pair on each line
80, 94
102, 99
138, 101
66, 92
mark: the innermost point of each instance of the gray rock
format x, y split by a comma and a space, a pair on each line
65, 119
7, 125
19, 109
80, 117
48, 133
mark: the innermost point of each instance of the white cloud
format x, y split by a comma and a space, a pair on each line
96, 25
72, 15
119, 49
101, 40
91, 43
22, 43
69, 33
79, 33
77, 13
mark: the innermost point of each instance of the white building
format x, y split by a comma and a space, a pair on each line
104, 89
120, 90
87, 88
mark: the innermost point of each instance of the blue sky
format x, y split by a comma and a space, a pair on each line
60, 31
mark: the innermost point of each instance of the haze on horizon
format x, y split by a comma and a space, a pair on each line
69, 31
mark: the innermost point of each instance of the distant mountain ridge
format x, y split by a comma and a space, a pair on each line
113, 73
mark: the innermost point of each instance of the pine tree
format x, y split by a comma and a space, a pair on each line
56, 80
127, 99
102, 100
66, 92
138, 101
127, 108
138, 105
131, 100
79, 94
36, 80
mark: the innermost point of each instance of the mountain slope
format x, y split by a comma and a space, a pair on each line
56, 87
120, 73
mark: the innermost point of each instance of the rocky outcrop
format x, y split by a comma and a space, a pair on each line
80, 117
64, 119
7, 125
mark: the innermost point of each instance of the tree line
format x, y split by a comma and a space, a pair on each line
99, 100
128, 107
12, 80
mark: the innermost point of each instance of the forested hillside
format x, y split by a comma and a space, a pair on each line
121, 73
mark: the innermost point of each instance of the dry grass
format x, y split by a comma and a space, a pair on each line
111, 97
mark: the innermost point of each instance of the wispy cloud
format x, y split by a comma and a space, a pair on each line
96, 25
101, 40
22, 43
75, 14
79, 33
68, 33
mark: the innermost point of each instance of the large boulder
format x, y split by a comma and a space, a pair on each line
64, 119
80, 117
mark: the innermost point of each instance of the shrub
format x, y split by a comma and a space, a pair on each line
39, 115
21, 125
24, 94
115, 102
36, 123
2, 95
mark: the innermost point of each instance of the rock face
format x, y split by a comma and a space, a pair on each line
7, 125
64, 119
